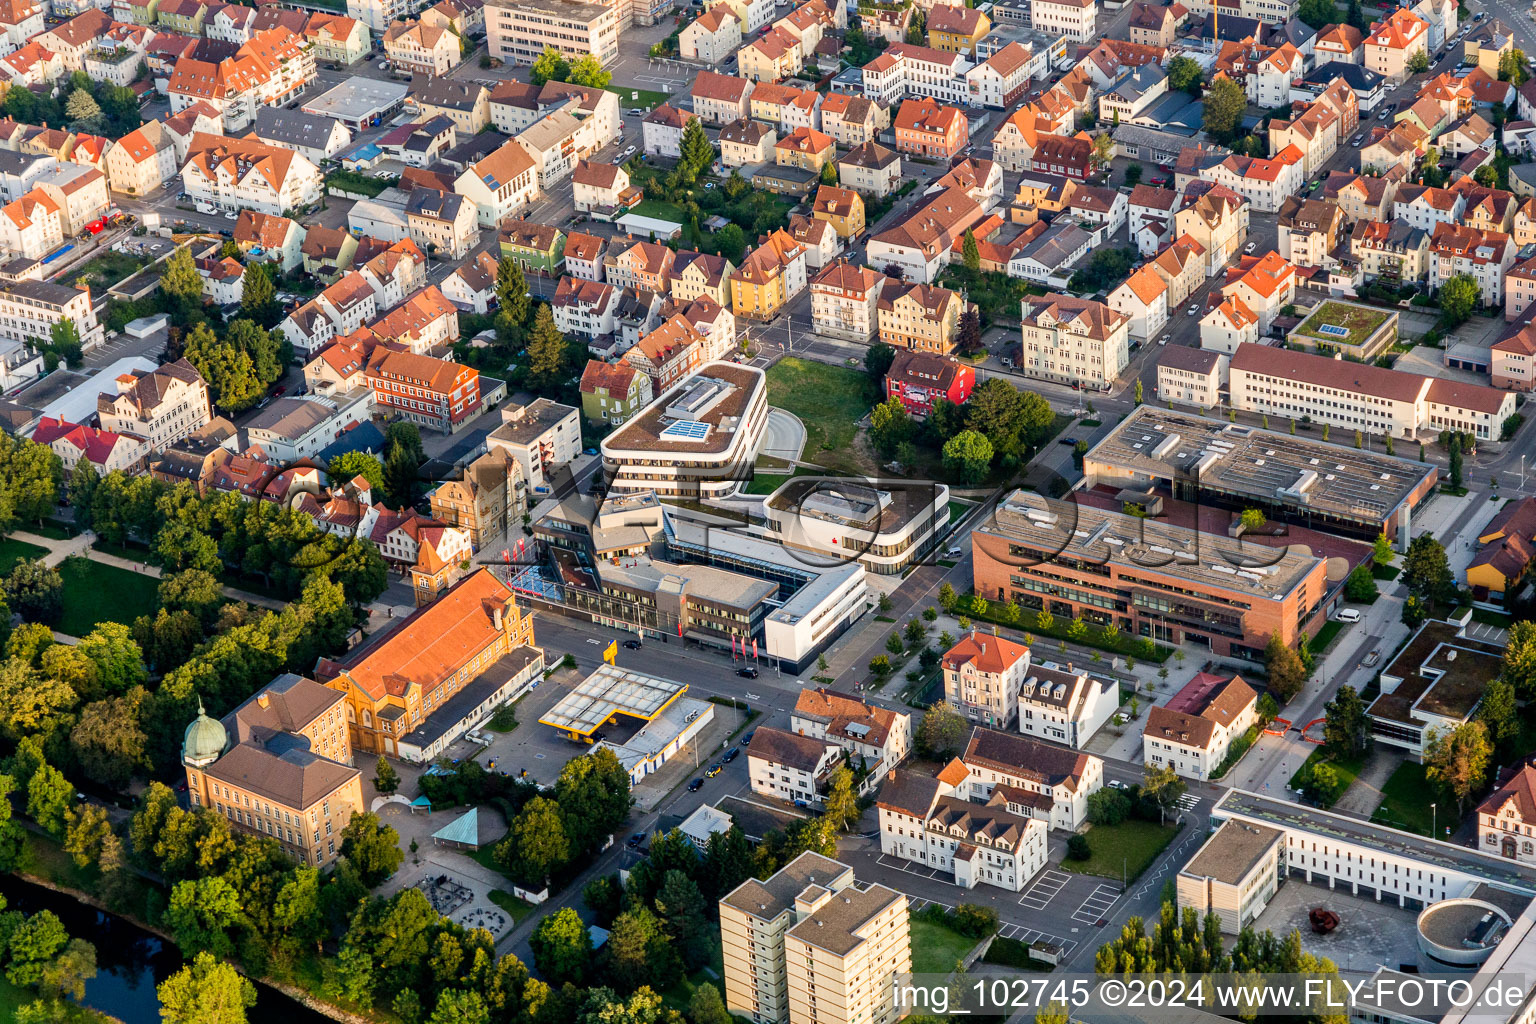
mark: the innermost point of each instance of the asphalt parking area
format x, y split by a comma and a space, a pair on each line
1039, 895
1096, 904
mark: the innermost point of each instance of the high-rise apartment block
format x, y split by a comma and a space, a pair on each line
810, 946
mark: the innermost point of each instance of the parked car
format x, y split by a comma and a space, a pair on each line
746, 740
747, 673
731, 755
695, 785
1068, 441
635, 840
632, 645
714, 769
1164, 339
1249, 247
1192, 310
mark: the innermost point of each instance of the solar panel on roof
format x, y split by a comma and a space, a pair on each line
1333, 330
686, 430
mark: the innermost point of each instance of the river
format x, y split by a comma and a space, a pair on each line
130, 961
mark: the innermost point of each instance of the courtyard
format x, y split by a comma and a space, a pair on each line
1369, 934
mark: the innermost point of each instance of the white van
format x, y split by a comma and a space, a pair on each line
1348, 615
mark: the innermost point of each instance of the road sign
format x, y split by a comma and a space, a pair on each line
612, 652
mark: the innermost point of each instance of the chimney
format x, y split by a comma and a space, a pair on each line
891, 775
262, 700
496, 617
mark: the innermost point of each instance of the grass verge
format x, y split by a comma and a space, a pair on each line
1344, 769
1385, 572
519, 909
1124, 850
1325, 636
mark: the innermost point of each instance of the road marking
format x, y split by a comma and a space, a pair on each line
1189, 801
1093, 908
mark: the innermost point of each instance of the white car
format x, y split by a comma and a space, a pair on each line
232, 215
1357, 140
1192, 310
1248, 248
1164, 339
628, 152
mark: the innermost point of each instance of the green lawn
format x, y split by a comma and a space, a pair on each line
767, 483
1325, 636
1385, 572
1406, 800
1360, 321
1345, 768
660, 210
628, 97
13, 551
830, 400
936, 948
366, 184
1124, 850
519, 909
95, 592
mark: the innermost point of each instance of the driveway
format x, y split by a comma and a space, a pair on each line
784, 436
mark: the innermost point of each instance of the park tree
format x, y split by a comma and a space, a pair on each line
86, 829
1415, 611
49, 798
1012, 420
706, 1007
349, 465
1284, 670
537, 844
968, 457
206, 991
970, 252
35, 591
1382, 552
1499, 713
258, 295
33, 944
877, 362
1360, 586
842, 803
66, 977
12, 837
890, 426
1225, 103
1347, 730
549, 66
1520, 658
1457, 760
385, 779
181, 284
371, 847
546, 351
1184, 75
201, 914
638, 952
1458, 297
585, 70
1426, 570
562, 947
512, 292
941, 732
1108, 806
681, 906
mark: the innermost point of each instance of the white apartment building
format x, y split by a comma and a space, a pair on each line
378, 14
1362, 396
808, 946
244, 174
519, 30
677, 446
1051, 782
786, 766
162, 406
1195, 730
1065, 705
1144, 298
1425, 207
142, 161
878, 738
1227, 326
843, 301
1485, 256
587, 308
501, 184
1192, 376
982, 678
1074, 19
907, 69
539, 437
30, 309
923, 820
1073, 341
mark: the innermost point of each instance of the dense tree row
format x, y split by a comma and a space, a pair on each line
552, 835
223, 532
39, 955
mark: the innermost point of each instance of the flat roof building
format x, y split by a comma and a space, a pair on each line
360, 102
1290, 478
809, 945
1166, 583
1234, 874
698, 440
835, 520
1434, 683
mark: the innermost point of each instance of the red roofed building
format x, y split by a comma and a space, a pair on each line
1507, 818
1193, 732
103, 449
1502, 564
434, 393
396, 685
919, 379
1513, 362
925, 128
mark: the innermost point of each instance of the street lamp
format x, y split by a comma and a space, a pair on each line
1433, 823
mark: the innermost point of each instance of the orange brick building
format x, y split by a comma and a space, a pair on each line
925, 128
